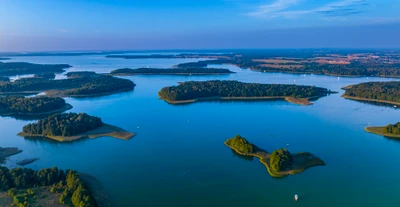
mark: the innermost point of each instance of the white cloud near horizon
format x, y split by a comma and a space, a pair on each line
281, 9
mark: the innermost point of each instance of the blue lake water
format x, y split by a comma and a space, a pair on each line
178, 157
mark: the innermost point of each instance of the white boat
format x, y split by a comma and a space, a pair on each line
296, 197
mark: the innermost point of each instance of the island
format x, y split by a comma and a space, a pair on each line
32, 106
280, 163
82, 74
192, 91
380, 92
76, 86
49, 187
69, 127
170, 71
390, 131
8, 151
1, 58
23, 68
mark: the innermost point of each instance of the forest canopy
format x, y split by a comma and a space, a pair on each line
73, 190
67, 124
240, 143
70, 87
21, 105
385, 91
202, 89
393, 129
281, 160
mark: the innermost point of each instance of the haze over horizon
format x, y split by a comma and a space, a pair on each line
63, 25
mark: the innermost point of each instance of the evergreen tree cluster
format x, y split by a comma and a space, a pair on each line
67, 124
241, 144
81, 74
198, 89
39, 104
393, 129
385, 91
281, 160
76, 86
22, 68
45, 75
73, 189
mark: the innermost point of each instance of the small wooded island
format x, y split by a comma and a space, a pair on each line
280, 163
171, 71
381, 92
50, 187
40, 105
192, 91
72, 126
79, 84
389, 131
23, 68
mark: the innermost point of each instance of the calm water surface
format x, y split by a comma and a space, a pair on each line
178, 157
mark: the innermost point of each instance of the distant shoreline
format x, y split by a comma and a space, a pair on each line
300, 101
182, 74
104, 131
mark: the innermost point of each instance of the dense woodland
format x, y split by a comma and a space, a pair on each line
45, 75
198, 89
172, 71
393, 129
72, 86
21, 68
21, 105
386, 91
73, 190
281, 160
81, 74
67, 124
241, 144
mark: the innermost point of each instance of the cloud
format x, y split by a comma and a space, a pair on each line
280, 8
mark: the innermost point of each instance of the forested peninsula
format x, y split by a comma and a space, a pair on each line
192, 91
383, 92
171, 71
50, 187
280, 163
390, 131
75, 86
40, 105
23, 68
73, 126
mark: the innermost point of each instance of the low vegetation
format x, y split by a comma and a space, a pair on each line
390, 131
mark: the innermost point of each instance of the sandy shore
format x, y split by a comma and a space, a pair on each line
371, 100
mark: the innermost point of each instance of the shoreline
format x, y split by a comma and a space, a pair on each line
300, 101
65, 108
370, 100
378, 131
181, 74
60, 93
104, 131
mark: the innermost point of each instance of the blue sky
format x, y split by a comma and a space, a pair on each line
190, 24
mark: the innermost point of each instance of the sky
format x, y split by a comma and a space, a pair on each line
61, 25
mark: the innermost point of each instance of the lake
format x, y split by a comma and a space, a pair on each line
178, 157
